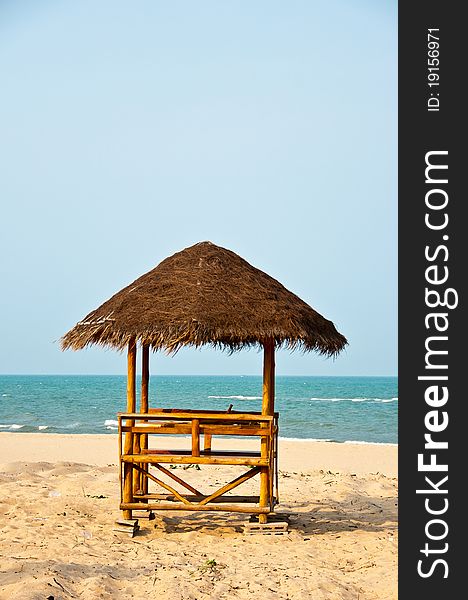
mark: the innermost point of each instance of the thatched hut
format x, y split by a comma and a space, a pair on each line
204, 294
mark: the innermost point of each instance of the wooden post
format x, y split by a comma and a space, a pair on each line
144, 408
207, 442
195, 437
144, 378
136, 474
131, 407
268, 408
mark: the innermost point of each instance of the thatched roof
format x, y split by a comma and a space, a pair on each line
205, 294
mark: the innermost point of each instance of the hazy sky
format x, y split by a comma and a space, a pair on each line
130, 130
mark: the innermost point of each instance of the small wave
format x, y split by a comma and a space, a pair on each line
5, 395
383, 400
236, 397
42, 427
360, 442
335, 441
111, 423
328, 399
72, 425
111, 427
14, 426
290, 439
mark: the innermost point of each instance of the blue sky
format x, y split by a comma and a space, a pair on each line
130, 130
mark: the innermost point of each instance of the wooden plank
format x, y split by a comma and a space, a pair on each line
231, 485
143, 428
194, 460
221, 453
188, 416
186, 429
195, 437
209, 429
170, 411
194, 507
197, 498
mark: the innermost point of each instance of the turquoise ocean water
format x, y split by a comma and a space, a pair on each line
341, 409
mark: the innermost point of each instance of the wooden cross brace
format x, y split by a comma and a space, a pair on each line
205, 499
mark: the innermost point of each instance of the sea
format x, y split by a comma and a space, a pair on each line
338, 409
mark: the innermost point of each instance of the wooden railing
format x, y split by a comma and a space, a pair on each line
137, 455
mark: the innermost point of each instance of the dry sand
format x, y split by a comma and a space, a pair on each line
59, 499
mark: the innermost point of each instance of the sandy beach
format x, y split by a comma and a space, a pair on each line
59, 500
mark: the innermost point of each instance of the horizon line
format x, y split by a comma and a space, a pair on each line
174, 375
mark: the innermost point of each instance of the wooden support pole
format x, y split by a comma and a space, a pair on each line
268, 396
268, 409
207, 442
195, 437
144, 407
131, 407
136, 452
144, 378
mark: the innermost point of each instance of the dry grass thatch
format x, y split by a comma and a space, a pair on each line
205, 294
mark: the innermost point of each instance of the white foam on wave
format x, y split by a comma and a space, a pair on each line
327, 399
360, 442
111, 427
285, 439
289, 439
42, 427
382, 400
111, 423
236, 397
15, 426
